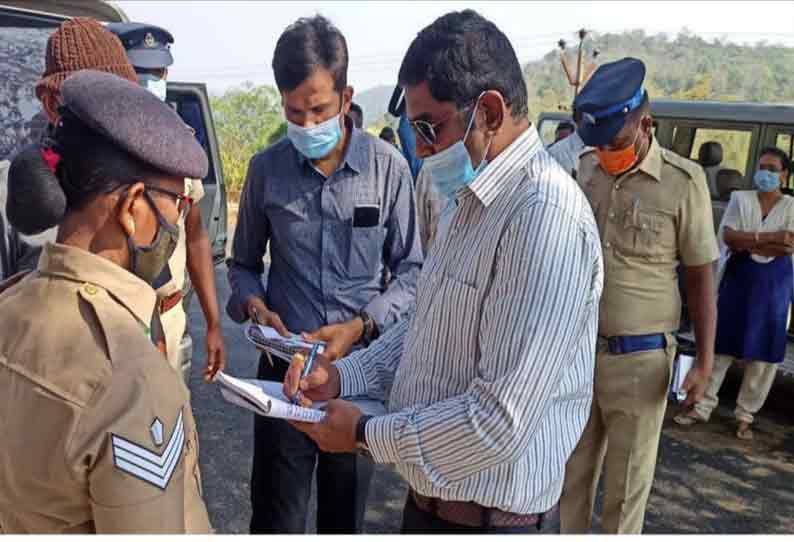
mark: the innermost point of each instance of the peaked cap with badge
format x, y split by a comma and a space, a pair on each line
610, 95
148, 46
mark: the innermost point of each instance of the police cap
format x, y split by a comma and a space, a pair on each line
611, 94
135, 120
148, 46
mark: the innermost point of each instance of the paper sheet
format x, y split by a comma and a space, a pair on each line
266, 398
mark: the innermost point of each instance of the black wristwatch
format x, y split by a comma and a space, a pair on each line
361, 436
370, 332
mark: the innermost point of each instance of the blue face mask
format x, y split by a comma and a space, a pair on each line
451, 168
153, 84
766, 181
318, 141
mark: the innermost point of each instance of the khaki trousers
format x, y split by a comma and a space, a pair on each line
174, 324
756, 383
622, 436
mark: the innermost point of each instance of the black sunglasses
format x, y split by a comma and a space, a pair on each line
427, 130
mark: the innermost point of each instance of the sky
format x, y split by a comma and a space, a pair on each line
225, 43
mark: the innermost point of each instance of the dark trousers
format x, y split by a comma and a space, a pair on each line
417, 521
284, 460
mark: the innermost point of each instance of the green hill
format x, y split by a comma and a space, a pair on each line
681, 67
374, 101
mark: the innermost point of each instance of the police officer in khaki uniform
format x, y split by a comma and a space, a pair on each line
148, 49
96, 427
653, 210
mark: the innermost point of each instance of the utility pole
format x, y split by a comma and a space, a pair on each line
581, 77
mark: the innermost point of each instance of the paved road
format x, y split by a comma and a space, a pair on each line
706, 480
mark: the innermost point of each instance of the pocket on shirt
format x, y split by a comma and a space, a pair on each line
365, 254
645, 233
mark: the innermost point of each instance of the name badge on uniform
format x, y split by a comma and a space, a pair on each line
157, 469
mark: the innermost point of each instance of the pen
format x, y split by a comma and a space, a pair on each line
256, 316
307, 368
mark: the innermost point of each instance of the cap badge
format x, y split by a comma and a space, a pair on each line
588, 118
149, 40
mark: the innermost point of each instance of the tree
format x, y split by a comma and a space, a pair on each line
247, 120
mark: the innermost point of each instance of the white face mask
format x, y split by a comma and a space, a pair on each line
153, 84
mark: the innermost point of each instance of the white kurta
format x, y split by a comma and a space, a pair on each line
744, 214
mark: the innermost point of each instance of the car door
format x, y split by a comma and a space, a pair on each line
192, 103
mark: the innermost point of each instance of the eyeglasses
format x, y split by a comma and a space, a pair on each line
427, 131
183, 203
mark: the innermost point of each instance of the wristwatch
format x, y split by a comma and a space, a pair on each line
370, 332
361, 436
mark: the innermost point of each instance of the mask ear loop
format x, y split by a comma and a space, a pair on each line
161, 221
471, 123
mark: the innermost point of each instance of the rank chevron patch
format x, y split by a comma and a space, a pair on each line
146, 465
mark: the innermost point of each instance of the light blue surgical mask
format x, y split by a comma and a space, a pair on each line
451, 168
317, 141
766, 181
153, 84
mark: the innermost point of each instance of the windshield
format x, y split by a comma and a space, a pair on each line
21, 65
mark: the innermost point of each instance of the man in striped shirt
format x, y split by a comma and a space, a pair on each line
492, 376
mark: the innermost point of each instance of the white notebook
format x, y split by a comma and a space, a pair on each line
681, 366
266, 398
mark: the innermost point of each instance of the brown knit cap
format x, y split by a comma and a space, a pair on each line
82, 44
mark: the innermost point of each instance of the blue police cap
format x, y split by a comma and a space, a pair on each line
611, 94
148, 46
135, 120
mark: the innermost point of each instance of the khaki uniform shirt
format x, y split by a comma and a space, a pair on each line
649, 218
178, 262
96, 428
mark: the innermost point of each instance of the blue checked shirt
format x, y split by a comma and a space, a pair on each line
325, 268
492, 378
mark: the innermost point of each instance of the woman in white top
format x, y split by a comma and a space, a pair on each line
756, 286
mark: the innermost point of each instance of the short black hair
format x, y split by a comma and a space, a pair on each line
565, 125
355, 108
785, 161
387, 133
306, 45
462, 54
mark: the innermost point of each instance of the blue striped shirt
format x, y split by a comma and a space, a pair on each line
492, 377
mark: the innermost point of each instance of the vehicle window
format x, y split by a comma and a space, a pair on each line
785, 142
735, 146
547, 129
21, 66
189, 108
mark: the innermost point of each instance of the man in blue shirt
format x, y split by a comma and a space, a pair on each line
335, 207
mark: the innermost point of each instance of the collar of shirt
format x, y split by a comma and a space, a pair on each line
78, 265
355, 155
652, 163
499, 173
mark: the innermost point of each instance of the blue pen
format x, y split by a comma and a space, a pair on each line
307, 368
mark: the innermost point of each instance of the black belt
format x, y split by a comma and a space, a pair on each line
628, 344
